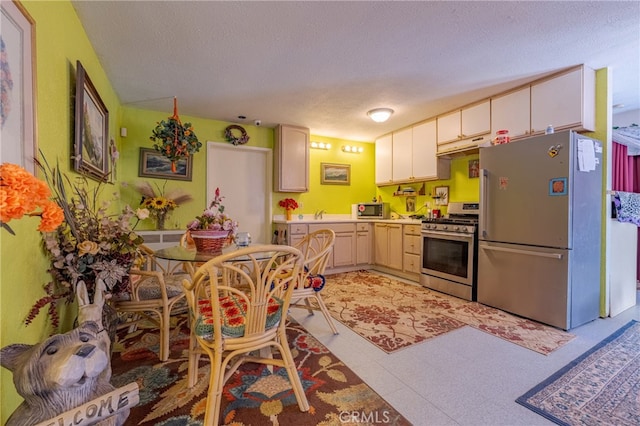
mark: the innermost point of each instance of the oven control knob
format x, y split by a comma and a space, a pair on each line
456, 229
445, 227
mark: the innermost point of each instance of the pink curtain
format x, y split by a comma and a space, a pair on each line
623, 169
626, 177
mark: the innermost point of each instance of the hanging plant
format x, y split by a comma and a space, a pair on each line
173, 139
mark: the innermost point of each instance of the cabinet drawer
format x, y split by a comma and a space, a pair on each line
412, 263
411, 244
363, 227
336, 227
412, 229
299, 229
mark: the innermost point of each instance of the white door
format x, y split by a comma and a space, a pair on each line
244, 176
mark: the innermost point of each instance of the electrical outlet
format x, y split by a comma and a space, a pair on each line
301, 204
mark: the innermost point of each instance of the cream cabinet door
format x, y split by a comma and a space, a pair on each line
344, 249
449, 129
381, 246
402, 142
384, 160
363, 243
476, 120
565, 102
512, 112
395, 246
291, 159
424, 162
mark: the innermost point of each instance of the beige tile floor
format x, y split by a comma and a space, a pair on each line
465, 377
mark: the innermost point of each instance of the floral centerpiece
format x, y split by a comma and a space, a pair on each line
213, 229
22, 194
289, 205
159, 202
173, 139
91, 244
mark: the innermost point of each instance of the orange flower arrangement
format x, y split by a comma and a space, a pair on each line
22, 194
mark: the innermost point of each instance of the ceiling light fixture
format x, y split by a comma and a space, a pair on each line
354, 149
380, 115
320, 145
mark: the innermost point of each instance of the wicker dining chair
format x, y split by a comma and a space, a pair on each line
153, 296
316, 249
238, 304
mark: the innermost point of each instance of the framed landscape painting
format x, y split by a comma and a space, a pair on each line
155, 165
335, 174
17, 108
91, 129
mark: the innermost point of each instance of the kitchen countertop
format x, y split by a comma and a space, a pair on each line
340, 218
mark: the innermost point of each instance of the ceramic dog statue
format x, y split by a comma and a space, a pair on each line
57, 375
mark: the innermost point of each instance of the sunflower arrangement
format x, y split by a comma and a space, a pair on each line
159, 202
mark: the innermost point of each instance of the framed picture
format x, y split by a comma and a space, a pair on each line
17, 58
155, 165
335, 174
91, 129
441, 195
474, 168
410, 204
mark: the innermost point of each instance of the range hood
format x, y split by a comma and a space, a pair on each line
463, 146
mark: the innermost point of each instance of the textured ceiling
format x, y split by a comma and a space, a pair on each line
322, 65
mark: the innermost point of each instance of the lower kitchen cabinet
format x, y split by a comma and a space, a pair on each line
388, 245
344, 248
411, 248
364, 243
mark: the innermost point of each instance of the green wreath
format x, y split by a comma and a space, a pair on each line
228, 134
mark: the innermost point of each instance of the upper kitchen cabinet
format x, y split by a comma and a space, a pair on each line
414, 155
465, 128
291, 159
384, 160
512, 112
564, 101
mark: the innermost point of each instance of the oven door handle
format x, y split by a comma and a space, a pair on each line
525, 252
456, 235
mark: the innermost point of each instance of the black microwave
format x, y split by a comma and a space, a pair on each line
373, 211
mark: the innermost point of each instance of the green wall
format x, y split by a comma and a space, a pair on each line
60, 42
461, 188
335, 199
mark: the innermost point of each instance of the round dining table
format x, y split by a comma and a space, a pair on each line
191, 257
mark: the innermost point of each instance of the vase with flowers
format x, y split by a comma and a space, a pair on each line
212, 230
92, 245
22, 194
160, 202
289, 205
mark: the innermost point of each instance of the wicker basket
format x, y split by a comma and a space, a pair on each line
210, 241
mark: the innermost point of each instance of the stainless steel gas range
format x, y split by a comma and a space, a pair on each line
449, 258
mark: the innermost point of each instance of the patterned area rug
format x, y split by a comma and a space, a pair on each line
253, 395
601, 387
394, 315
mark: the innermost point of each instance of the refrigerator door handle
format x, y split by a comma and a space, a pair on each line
484, 175
525, 252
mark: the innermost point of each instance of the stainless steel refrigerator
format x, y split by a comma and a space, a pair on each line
540, 228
